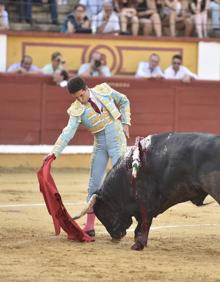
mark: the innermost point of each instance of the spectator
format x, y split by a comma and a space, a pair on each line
24, 67
25, 9
148, 17
215, 14
200, 11
176, 16
184, 18
96, 67
77, 21
169, 15
128, 16
93, 7
61, 78
177, 71
4, 24
56, 65
107, 21
150, 69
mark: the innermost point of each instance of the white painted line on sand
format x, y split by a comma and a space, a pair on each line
159, 227
185, 225
5, 206
30, 205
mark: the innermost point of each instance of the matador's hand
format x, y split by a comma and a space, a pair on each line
47, 157
126, 130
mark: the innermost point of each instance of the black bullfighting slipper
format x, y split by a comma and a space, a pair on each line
91, 232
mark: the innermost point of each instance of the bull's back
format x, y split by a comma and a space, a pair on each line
187, 163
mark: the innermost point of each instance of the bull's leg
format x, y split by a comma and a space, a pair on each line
141, 234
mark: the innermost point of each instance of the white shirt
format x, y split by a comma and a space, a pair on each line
111, 26
4, 19
144, 70
48, 69
85, 67
169, 73
96, 101
93, 7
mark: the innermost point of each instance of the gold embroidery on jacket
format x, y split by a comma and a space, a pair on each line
76, 109
103, 89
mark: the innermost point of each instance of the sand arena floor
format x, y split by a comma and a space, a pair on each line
184, 243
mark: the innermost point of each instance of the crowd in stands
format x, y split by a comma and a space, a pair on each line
97, 67
124, 17
147, 17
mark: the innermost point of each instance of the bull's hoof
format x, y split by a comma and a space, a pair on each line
137, 246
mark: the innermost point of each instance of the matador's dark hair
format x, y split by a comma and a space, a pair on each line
75, 84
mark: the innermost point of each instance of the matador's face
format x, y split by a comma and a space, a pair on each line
82, 95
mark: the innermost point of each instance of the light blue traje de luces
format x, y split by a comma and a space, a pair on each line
110, 141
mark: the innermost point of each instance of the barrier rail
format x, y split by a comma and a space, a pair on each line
33, 108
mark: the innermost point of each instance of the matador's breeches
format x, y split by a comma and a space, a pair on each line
109, 143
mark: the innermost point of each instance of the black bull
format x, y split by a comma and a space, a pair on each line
175, 167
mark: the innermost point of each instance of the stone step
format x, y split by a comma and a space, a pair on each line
47, 27
37, 27
62, 9
20, 26
43, 17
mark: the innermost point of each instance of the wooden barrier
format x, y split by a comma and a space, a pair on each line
33, 108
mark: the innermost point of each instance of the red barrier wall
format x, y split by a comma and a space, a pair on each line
33, 109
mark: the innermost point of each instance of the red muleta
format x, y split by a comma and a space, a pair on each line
55, 206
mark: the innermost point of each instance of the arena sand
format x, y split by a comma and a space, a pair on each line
29, 250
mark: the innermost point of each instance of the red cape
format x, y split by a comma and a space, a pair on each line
55, 206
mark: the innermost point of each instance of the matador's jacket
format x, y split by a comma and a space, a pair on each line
92, 120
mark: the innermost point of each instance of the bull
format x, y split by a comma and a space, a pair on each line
157, 173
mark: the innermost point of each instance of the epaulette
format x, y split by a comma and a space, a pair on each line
103, 89
76, 109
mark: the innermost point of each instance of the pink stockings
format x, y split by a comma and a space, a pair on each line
90, 222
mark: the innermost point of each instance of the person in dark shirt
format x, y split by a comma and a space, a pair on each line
127, 13
77, 21
148, 16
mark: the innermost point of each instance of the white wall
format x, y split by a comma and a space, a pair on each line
3, 52
209, 61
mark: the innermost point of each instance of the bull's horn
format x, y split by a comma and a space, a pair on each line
88, 207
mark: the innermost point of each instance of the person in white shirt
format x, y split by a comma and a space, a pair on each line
57, 64
107, 21
4, 23
96, 67
93, 7
177, 71
150, 69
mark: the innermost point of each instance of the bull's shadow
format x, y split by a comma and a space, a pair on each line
160, 171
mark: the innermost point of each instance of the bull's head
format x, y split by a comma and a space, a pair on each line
114, 201
115, 219
114, 204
